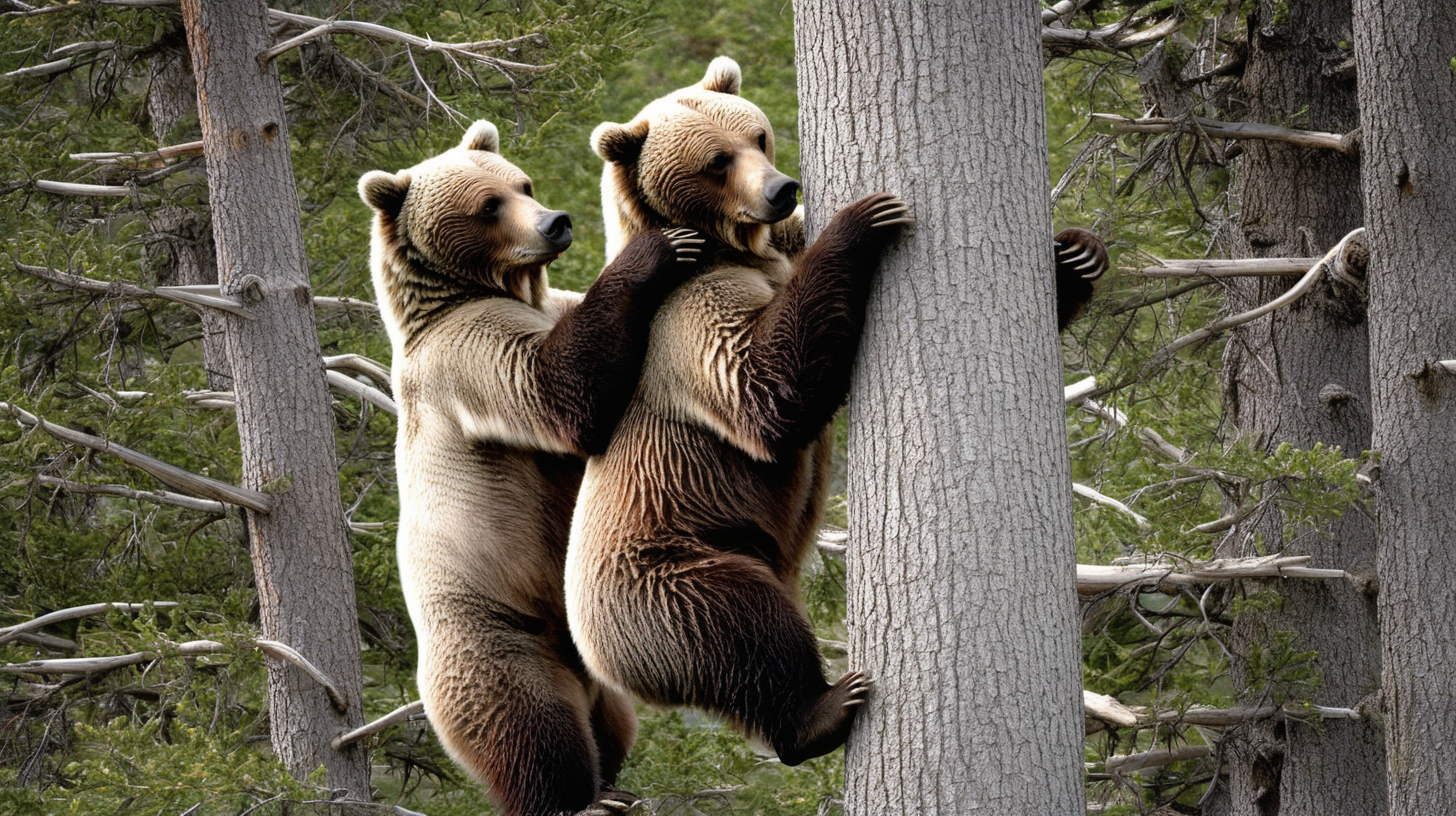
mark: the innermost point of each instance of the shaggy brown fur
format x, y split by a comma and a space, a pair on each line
682, 576
503, 385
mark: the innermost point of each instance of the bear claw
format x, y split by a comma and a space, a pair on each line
685, 242
893, 210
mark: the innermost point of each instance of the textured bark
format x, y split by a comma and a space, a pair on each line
181, 237
1301, 375
300, 549
1407, 90
962, 588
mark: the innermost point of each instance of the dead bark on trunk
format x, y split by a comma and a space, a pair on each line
1301, 375
300, 549
962, 583
1407, 87
180, 241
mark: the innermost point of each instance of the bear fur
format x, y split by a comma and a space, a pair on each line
504, 385
1081, 258
683, 571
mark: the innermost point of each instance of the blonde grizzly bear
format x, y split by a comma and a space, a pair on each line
503, 386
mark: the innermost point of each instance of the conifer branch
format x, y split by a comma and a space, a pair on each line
168, 474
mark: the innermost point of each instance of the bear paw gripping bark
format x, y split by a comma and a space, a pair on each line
1081, 259
682, 578
504, 385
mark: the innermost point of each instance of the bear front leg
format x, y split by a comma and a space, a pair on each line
590, 361
803, 346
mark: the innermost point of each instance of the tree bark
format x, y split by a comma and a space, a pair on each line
962, 595
1301, 376
1407, 87
300, 550
180, 240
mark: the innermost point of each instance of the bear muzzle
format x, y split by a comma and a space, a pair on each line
555, 226
782, 195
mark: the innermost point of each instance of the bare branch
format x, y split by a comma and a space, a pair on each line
1116, 38
1343, 257
148, 158
371, 395
1093, 579
273, 648
394, 717
1107, 501
1078, 390
68, 188
91, 665
1211, 268
1151, 439
1295, 292
378, 33
360, 365
1130, 763
194, 296
1348, 143
345, 304
72, 613
168, 474
121, 491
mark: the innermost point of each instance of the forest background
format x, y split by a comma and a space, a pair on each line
170, 733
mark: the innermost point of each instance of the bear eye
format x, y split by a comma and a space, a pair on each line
719, 162
526, 189
490, 207
763, 142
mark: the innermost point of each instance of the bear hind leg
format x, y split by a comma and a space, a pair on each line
728, 637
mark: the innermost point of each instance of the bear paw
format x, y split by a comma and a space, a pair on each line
686, 243
1081, 252
612, 802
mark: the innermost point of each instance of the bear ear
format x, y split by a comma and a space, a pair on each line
619, 144
724, 76
383, 191
482, 136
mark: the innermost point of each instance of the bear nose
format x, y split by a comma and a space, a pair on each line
556, 227
783, 197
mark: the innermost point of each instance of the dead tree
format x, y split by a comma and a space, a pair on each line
300, 548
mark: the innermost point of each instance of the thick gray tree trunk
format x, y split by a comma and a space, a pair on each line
1404, 49
301, 549
1301, 375
962, 598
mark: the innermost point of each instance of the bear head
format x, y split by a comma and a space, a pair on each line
700, 157
461, 224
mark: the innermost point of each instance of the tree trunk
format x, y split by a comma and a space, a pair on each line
285, 424
962, 597
1301, 375
180, 238
1407, 98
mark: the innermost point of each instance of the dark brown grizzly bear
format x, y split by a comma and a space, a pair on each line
504, 385
682, 575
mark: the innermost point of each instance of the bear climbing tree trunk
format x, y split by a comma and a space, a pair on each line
1407, 87
962, 582
300, 548
1301, 376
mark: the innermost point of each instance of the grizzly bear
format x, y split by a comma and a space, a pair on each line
504, 385
683, 570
